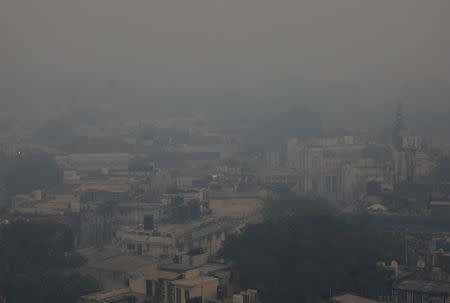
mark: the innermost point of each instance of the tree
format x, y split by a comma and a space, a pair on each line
305, 249
32, 260
140, 164
32, 171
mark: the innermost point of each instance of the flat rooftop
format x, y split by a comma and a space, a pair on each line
196, 281
123, 263
153, 273
116, 295
440, 203
112, 259
424, 286
349, 298
52, 207
178, 268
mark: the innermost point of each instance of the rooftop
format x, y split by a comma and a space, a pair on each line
196, 281
111, 259
432, 287
153, 273
94, 253
349, 298
58, 205
178, 268
213, 267
124, 263
116, 295
440, 203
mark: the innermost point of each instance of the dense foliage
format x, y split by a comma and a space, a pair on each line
32, 264
32, 171
303, 250
140, 164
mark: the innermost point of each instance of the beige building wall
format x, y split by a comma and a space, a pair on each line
206, 289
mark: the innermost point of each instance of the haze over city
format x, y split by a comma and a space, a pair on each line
225, 151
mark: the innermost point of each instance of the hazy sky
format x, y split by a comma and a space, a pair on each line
213, 47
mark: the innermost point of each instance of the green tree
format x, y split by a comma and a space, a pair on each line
140, 164
32, 171
32, 259
304, 249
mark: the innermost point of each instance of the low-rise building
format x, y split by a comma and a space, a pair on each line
174, 283
122, 295
349, 298
421, 291
440, 208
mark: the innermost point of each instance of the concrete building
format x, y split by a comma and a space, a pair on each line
276, 177
328, 167
439, 143
137, 214
4, 203
272, 160
111, 267
195, 288
122, 295
9, 150
246, 296
423, 164
98, 161
349, 298
172, 285
155, 283
192, 243
420, 291
440, 208
97, 224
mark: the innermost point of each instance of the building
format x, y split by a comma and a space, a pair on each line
174, 284
349, 298
246, 296
122, 295
193, 243
272, 160
111, 267
195, 288
440, 208
278, 177
421, 291
95, 162
155, 283
330, 167
3, 197
97, 224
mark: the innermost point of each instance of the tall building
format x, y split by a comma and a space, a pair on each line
272, 160
398, 127
3, 197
